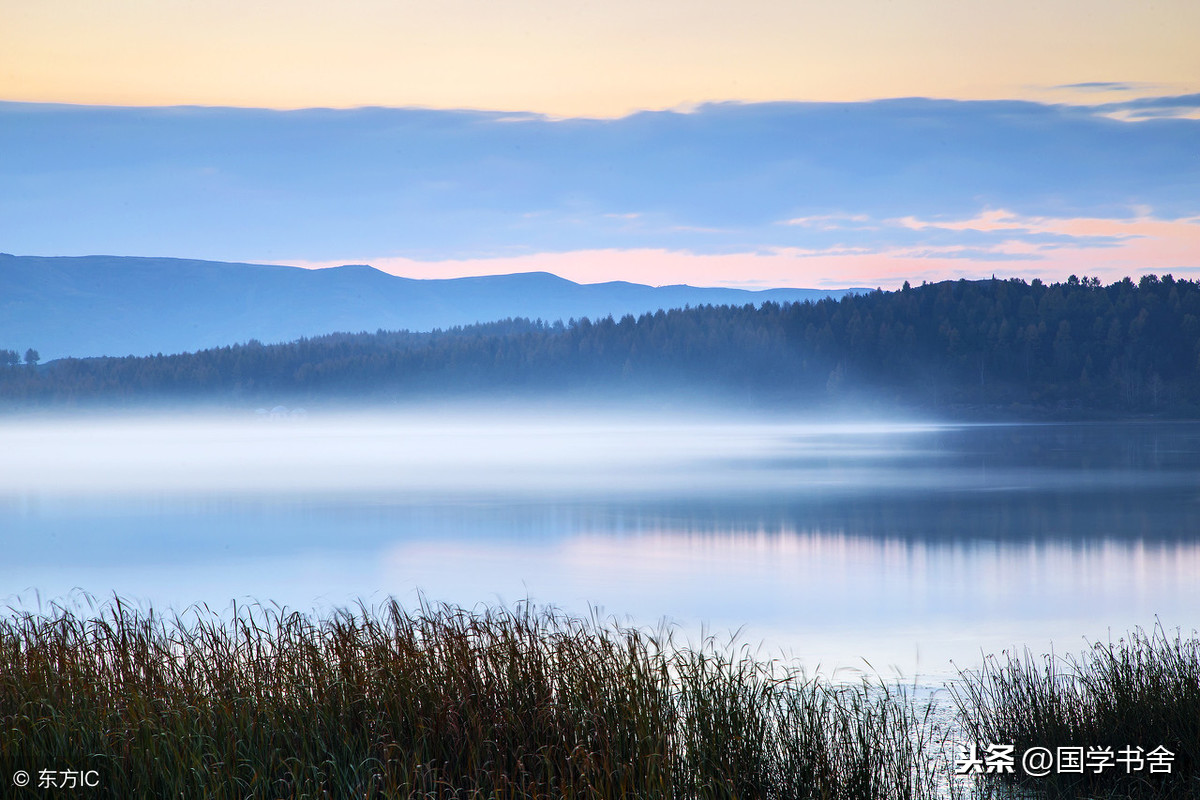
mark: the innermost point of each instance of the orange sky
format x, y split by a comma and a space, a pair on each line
588, 57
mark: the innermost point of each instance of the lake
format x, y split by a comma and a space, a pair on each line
881, 546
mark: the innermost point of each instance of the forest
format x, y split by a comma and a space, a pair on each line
1071, 349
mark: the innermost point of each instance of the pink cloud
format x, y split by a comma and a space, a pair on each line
1143, 245
988, 221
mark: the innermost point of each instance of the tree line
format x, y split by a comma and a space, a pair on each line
1077, 347
10, 358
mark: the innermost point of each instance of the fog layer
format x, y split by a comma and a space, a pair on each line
419, 452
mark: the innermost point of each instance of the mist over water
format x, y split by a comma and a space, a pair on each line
902, 543
413, 452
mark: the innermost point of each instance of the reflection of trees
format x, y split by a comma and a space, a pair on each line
1064, 483
1018, 517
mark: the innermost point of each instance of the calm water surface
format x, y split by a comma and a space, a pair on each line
889, 545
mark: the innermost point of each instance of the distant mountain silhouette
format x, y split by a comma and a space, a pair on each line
117, 306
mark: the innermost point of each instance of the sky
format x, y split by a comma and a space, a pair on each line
749, 144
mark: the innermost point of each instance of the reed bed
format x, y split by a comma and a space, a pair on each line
440, 702
1142, 691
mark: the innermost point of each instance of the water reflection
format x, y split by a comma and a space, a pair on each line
904, 545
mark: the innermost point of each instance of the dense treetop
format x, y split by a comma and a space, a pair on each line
1071, 348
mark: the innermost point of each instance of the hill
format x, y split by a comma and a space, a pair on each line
117, 306
1070, 349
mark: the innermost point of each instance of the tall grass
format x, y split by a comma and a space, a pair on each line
440, 702
1142, 691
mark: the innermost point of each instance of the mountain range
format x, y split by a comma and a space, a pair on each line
118, 305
